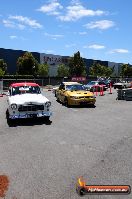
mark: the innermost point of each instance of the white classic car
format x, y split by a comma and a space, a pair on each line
122, 84
26, 101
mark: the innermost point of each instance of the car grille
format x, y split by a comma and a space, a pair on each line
84, 97
33, 107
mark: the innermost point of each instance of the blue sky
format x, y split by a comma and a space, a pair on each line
99, 29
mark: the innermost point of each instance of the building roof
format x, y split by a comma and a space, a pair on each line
24, 84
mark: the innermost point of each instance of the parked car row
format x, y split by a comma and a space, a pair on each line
25, 100
91, 86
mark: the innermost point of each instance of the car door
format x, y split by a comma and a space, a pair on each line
62, 93
59, 92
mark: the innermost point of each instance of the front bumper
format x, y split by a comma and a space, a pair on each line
30, 115
81, 101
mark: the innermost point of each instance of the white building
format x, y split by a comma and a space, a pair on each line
116, 66
53, 61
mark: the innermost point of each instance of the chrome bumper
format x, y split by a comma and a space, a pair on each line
30, 115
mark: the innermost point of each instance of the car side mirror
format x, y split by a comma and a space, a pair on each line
8, 93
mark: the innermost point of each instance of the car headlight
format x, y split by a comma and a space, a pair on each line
14, 106
48, 104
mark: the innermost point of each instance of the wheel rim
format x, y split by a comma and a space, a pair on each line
66, 102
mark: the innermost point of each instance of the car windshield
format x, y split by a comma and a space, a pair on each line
26, 89
74, 87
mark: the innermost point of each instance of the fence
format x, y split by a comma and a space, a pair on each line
1, 86
41, 82
5, 83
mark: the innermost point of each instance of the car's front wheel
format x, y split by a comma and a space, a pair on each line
10, 122
66, 102
47, 118
57, 98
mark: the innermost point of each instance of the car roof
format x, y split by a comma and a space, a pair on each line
23, 84
71, 83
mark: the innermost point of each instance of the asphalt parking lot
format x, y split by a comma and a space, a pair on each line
44, 159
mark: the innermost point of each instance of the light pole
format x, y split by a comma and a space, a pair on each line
34, 72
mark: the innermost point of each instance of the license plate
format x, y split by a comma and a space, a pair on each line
31, 115
84, 102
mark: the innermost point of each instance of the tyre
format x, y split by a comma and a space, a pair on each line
10, 122
66, 102
92, 105
57, 98
47, 118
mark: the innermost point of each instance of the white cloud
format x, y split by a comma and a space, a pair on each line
77, 11
17, 37
11, 24
13, 37
103, 24
53, 36
25, 21
20, 26
74, 11
51, 8
82, 33
95, 46
119, 50
8, 23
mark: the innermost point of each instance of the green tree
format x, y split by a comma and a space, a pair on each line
27, 64
43, 70
3, 67
2, 72
76, 65
126, 70
100, 70
62, 71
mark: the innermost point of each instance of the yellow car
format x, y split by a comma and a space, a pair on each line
73, 93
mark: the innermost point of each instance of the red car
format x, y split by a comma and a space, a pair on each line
95, 85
